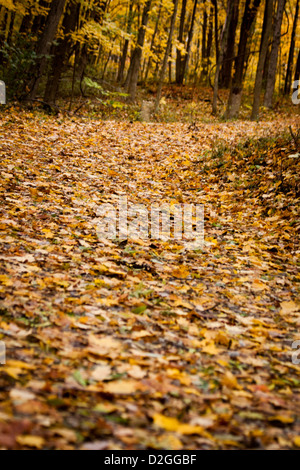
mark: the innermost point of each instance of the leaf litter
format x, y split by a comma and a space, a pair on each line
146, 344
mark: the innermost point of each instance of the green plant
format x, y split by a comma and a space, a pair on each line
18, 59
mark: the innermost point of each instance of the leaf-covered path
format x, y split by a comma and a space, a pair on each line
146, 344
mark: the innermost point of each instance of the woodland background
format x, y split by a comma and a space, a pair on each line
107, 50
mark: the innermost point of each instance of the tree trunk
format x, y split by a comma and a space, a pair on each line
203, 44
216, 29
274, 56
44, 44
224, 37
3, 18
225, 74
26, 22
206, 44
267, 27
39, 20
236, 90
297, 71
166, 56
190, 40
126, 44
58, 62
153, 40
11, 27
289, 71
135, 63
179, 55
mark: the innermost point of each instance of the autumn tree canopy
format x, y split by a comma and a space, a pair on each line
64, 47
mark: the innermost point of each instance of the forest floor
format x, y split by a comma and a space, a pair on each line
148, 343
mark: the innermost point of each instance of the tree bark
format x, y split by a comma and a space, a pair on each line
224, 37
135, 63
274, 56
26, 22
166, 56
40, 19
289, 71
59, 54
236, 90
225, 73
153, 40
45, 41
297, 71
267, 27
190, 40
126, 44
216, 29
10, 32
206, 44
179, 55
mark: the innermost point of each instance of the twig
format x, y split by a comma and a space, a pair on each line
294, 137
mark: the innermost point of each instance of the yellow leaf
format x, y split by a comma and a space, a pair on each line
222, 338
183, 378
5, 280
31, 441
282, 418
288, 307
258, 285
229, 380
211, 349
19, 364
169, 424
172, 424
48, 233
169, 441
297, 441
181, 272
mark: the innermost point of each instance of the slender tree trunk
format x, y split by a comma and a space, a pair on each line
289, 71
44, 44
120, 77
106, 63
59, 54
166, 56
39, 20
135, 63
225, 73
267, 27
236, 90
190, 40
26, 22
197, 60
179, 55
153, 40
203, 43
224, 38
170, 65
274, 56
3, 19
216, 29
297, 71
11, 27
206, 45
2, 15
81, 58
